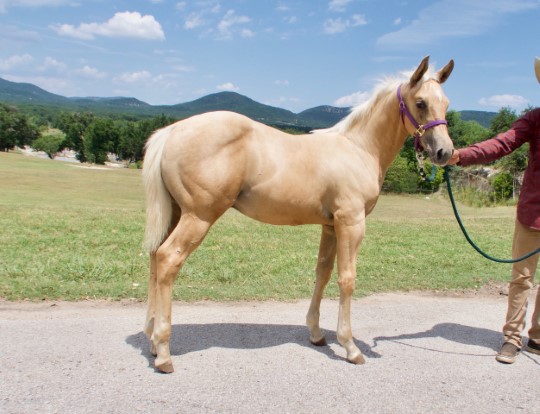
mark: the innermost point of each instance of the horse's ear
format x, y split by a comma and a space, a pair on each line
419, 72
445, 72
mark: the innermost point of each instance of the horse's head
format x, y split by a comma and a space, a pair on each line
426, 103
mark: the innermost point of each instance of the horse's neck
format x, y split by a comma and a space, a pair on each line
382, 134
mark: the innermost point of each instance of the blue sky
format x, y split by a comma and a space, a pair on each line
288, 53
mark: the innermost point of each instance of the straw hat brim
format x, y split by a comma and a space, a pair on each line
537, 68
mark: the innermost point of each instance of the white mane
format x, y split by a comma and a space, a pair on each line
384, 87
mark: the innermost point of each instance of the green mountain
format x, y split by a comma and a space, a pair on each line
232, 101
323, 116
24, 93
482, 117
38, 101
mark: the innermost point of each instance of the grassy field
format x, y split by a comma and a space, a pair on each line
69, 232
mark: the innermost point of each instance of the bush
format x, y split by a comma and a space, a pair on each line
503, 186
399, 178
49, 142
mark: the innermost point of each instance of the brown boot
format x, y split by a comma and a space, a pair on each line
508, 353
533, 347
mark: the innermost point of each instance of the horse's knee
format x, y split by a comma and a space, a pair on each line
346, 284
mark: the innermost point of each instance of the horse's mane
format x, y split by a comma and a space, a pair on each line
385, 87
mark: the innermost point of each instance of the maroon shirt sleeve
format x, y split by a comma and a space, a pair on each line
525, 129
503, 144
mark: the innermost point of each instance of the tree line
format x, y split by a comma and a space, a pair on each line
91, 137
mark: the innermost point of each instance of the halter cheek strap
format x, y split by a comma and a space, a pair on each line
420, 129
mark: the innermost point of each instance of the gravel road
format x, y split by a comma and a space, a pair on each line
424, 353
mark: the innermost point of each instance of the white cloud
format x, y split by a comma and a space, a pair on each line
193, 21
290, 19
454, 18
338, 5
124, 24
500, 101
281, 82
397, 21
228, 86
15, 61
228, 22
332, 26
51, 64
339, 25
358, 20
353, 99
200, 17
133, 77
90, 72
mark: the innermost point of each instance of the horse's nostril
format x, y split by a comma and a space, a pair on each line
440, 154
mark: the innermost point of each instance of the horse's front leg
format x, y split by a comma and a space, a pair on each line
325, 265
349, 236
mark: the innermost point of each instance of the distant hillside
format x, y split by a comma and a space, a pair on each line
33, 98
232, 101
20, 93
323, 116
482, 117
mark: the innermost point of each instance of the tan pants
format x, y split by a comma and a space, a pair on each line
525, 241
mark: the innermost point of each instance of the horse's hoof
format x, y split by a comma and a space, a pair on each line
320, 342
357, 360
164, 367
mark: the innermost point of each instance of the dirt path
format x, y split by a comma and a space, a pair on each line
424, 354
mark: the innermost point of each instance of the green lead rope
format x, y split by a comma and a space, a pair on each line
487, 256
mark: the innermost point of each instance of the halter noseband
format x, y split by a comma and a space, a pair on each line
420, 129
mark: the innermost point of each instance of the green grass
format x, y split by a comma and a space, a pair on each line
74, 233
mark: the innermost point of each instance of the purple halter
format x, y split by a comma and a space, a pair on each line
420, 129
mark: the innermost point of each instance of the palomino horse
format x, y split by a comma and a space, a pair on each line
196, 169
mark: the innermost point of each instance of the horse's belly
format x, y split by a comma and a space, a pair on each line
281, 212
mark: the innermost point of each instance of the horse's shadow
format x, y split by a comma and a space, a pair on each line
466, 335
188, 338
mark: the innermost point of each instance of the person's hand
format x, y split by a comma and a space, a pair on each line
454, 159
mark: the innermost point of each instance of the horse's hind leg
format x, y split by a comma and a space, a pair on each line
151, 311
325, 265
171, 255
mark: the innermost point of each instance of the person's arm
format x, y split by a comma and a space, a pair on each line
497, 147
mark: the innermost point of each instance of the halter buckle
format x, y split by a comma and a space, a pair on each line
420, 131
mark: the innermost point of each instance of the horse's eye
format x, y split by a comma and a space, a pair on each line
421, 105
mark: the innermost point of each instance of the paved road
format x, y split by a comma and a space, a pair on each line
425, 354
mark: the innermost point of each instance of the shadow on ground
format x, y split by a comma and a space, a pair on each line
467, 335
187, 338
198, 337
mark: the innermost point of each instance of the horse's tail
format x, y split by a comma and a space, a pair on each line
158, 198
